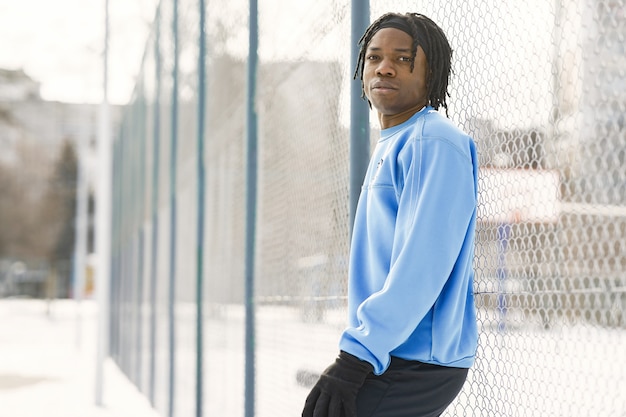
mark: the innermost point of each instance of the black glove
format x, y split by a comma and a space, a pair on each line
335, 393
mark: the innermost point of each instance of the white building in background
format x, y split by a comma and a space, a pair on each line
32, 134
15, 85
32, 130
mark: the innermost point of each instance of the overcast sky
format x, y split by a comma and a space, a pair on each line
60, 42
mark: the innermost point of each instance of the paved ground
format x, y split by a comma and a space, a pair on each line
46, 372
48, 362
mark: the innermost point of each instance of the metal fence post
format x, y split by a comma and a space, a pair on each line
200, 228
359, 112
103, 233
251, 196
173, 216
156, 155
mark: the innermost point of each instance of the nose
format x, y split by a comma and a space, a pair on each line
385, 68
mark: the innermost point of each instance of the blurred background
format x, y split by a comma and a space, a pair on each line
51, 90
51, 100
237, 140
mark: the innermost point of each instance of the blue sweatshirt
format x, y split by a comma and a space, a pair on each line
410, 289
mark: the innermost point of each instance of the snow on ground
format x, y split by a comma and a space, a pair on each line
570, 369
573, 370
48, 364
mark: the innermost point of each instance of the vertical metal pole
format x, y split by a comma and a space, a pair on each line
141, 226
117, 331
80, 240
251, 206
200, 228
173, 216
156, 157
103, 209
359, 111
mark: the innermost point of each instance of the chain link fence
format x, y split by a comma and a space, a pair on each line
540, 85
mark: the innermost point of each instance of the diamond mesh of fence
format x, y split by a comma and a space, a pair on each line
539, 85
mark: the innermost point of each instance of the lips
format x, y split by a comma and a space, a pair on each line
383, 86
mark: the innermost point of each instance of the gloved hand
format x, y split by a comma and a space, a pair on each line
334, 394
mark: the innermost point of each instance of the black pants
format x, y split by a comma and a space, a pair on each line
410, 389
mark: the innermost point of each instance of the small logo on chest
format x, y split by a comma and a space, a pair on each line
378, 165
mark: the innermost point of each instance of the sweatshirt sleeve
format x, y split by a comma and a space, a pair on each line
436, 199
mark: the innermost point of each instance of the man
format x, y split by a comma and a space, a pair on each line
412, 331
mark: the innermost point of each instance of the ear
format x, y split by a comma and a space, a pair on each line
363, 96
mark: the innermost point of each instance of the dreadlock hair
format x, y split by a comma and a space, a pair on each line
430, 37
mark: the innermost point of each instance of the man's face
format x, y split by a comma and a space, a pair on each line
388, 83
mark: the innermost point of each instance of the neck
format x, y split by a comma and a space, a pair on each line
386, 121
